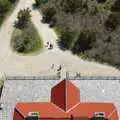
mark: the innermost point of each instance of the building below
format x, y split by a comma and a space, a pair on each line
65, 105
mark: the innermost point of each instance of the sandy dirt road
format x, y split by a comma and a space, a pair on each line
40, 64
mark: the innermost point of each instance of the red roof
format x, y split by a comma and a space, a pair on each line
46, 110
65, 102
61, 95
88, 109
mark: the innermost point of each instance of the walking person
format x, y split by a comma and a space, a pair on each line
52, 66
60, 68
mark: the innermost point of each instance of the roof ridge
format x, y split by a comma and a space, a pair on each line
114, 110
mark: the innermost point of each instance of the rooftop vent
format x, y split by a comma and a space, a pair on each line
32, 116
98, 116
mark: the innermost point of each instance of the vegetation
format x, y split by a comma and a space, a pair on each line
86, 27
101, 1
5, 7
23, 18
39, 2
1, 84
48, 14
116, 6
25, 37
72, 6
65, 39
113, 21
84, 41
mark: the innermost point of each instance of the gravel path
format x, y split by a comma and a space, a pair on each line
37, 91
14, 64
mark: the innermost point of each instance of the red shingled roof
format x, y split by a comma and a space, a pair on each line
88, 109
65, 95
65, 104
46, 110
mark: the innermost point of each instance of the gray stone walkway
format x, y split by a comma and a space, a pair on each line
28, 90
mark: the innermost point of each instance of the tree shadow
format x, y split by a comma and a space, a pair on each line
35, 6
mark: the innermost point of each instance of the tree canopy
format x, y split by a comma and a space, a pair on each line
65, 39
23, 18
5, 6
95, 24
84, 41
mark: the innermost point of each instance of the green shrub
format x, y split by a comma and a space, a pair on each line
113, 21
39, 2
53, 21
13, 1
101, 1
23, 18
72, 5
5, 6
26, 40
48, 14
116, 6
1, 84
84, 41
107, 51
66, 39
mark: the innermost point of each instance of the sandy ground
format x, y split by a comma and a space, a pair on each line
40, 64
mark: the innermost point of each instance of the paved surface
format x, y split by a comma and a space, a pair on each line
27, 91
12, 63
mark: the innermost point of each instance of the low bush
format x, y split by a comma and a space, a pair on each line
113, 21
5, 7
39, 2
65, 39
26, 40
116, 6
23, 18
85, 40
71, 6
48, 14
101, 1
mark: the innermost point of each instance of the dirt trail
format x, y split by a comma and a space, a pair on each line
14, 64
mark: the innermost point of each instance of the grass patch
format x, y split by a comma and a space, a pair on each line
26, 41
